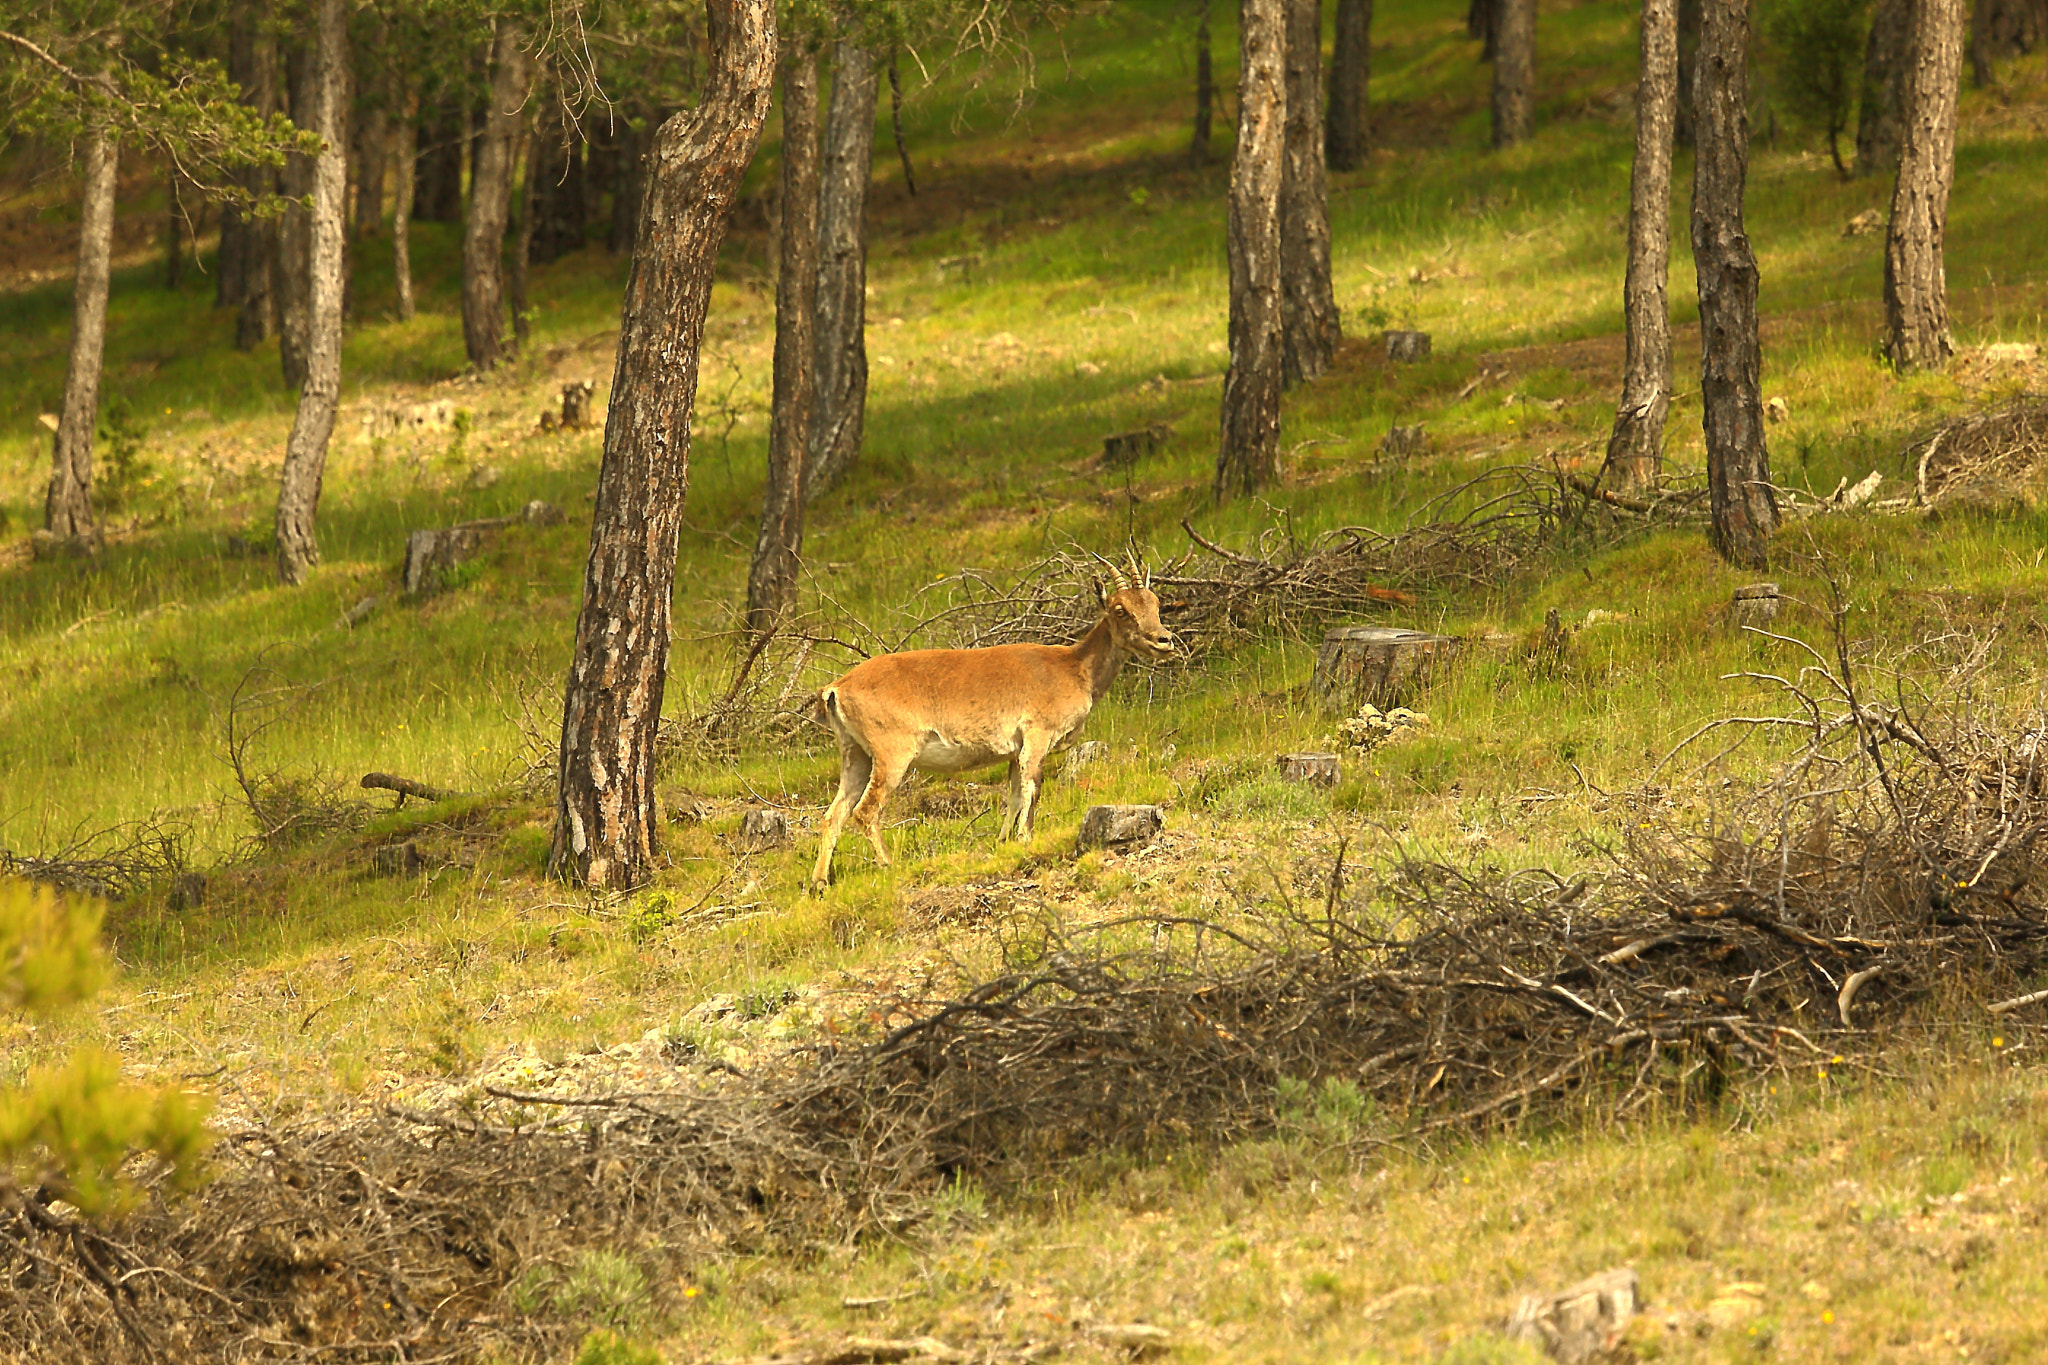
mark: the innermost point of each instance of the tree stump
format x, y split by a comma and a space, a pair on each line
538, 513
1126, 447
761, 830
1756, 605
430, 553
1086, 752
1401, 442
1405, 348
1317, 770
1118, 827
398, 860
188, 891
1581, 1324
576, 404
1379, 665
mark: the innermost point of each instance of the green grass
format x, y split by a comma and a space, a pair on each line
1096, 267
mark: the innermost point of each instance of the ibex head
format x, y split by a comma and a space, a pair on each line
1132, 611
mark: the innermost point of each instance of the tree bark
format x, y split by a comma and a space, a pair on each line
437, 194
778, 549
256, 316
1635, 447
1745, 511
1308, 306
842, 365
1205, 87
1348, 138
558, 189
626, 153
607, 815
305, 457
1248, 457
1887, 57
1688, 66
407, 155
490, 200
373, 137
292, 264
528, 139
1514, 71
67, 510
1482, 21
896, 127
1915, 281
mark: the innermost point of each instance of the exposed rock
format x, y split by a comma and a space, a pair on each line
1118, 827
1404, 348
1581, 1324
761, 830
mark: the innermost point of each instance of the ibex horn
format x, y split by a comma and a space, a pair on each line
1141, 577
1115, 573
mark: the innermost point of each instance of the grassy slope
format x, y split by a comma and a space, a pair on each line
1086, 260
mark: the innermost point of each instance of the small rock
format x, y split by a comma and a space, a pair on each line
1317, 770
1756, 604
1087, 369
1118, 827
1583, 1323
1125, 447
1868, 221
1086, 752
359, 613
1777, 410
1404, 347
427, 552
761, 830
483, 476
538, 513
1138, 1338
576, 404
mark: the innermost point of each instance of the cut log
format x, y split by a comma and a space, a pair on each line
1378, 665
1317, 770
1582, 1324
1405, 348
1756, 605
761, 830
1118, 827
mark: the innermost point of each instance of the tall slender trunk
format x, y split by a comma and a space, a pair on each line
529, 189
1514, 71
1205, 86
1745, 510
848, 155
407, 152
256, 319
1636, 445
1688, 68
174, 229
305, 457
1248, 457
67, 510
896, 127
627, 158
1348, 138
490, 199
559, 209
1887, 58
438, 160
291, 267
1915, 281
607, 815
1482, 21
778, 550
1308, 305
373, 137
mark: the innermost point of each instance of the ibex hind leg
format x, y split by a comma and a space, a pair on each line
1010, 796
854, 768
888, 772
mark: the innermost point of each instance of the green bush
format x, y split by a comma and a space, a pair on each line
1819, 67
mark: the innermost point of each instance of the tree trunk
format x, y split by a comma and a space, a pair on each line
842, 373
256, 319
1482, 21
1887, 56
1636, 445
1688, 67
1348, 138
1308, 306
1915, 283
1205, 87
558, 189
407, 152
1745, 511
1248, 457
607, 815
305, 456
292, 264
772, 583
373, 136
896, 127
437, 194
67, 511
522, 238
174, 229
627, 151
1514, 71
490, 200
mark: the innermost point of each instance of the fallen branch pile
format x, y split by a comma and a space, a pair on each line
1989, 459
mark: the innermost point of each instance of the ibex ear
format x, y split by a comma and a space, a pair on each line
1101, 597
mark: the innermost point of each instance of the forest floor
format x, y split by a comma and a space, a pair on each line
1059, 276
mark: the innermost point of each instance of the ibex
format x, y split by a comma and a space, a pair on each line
948, 710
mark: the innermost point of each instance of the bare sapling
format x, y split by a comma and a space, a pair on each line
952, 710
